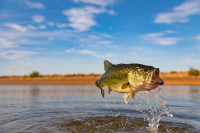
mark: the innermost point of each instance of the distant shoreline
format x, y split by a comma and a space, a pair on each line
87, 80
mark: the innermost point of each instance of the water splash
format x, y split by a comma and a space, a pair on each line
153, 106
150, 103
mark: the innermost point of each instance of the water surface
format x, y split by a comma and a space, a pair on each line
80, 108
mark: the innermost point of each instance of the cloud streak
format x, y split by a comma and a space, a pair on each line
38, 18
192, 59
16, 27
35, 5
198, 37
88, 52
96, 2
60, 25
15, 54
180, 14
21, 28
12, 38
5, 43
160, 39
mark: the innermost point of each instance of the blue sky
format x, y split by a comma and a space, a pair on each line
75, 36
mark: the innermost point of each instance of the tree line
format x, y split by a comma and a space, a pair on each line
191, 72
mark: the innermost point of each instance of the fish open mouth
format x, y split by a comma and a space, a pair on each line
154, 81
151, 86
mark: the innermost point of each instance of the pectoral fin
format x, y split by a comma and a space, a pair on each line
128, 96
125, 85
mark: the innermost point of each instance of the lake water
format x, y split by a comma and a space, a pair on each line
80, 108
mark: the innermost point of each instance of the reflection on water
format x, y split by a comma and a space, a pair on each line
81, 108
34, 91
186, 92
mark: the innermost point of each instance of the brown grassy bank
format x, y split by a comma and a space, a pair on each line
170, 79
49, 81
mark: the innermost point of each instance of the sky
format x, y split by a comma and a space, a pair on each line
76, 36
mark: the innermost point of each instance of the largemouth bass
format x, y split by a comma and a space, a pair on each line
129, 78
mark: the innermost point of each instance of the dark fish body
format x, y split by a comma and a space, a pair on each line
129, 78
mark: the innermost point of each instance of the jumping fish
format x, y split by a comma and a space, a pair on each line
129, 78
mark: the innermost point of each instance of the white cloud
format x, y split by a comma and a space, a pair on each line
38, 18
192, 59
198, 37
59, 25
33, 36
12, 41
50, 23
95, 54
36, 5
180, 13
104, 42
111, 12
196, 47
96, 41
96, 2
14, 54
160, 39
72, 50
11, 38
165, 40
16, 27
83, 18
5, 43
31, 27
88, 52
42, 27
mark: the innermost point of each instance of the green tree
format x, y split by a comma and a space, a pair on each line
193, 72
34, 74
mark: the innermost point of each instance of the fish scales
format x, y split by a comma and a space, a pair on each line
115, 77
129, 78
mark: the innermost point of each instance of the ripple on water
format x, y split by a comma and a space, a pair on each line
120, 124
82, 109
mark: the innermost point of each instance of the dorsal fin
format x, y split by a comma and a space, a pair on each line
107, 64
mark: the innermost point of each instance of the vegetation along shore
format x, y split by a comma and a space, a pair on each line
192, 77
